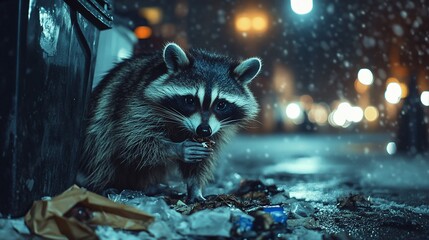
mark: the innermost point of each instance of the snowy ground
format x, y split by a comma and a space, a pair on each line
318, 174
321, 169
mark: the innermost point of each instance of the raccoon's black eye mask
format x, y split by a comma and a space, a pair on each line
190, 100
185, 105
225, 110
222, 105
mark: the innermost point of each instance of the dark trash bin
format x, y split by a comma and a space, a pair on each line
48, 51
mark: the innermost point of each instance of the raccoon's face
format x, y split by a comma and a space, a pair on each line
203, 92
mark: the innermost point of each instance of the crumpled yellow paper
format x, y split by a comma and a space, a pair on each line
57, 218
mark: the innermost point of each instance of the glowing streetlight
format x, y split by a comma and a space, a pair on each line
259, 23
301, 6
251, 22
243, 24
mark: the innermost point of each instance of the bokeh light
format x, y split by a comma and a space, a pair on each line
393, 93
424, 98
391, 148
251, 21
360, 87
301, 6
259, 23
404, 90
306, 101
143, 32
365, 76
293, 111
243, 24
339, 116
356, 114
392, 80
345, 114
318, 114
371, 113
152, 14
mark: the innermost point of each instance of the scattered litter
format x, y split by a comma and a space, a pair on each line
278, 214
214, 222
263, 220
253, 187
353, 202
74, 213
279, 198
254, 210
301, 209
242, 222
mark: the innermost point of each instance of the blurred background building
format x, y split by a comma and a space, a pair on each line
328, 66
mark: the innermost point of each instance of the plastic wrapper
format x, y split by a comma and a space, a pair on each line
74, 213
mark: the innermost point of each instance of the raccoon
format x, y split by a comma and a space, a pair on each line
146, 112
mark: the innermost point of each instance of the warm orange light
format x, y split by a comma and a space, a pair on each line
243, 24
318, 114
371, 113
391, 80
143, 32
404, 90
306, 101
251, 21
152, 14
360, 87
259, 23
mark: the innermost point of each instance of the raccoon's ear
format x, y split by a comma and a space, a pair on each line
174, 57
247, 70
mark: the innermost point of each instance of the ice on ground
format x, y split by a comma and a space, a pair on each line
13, 228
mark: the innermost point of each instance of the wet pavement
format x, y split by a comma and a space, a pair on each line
331, 187
391, 192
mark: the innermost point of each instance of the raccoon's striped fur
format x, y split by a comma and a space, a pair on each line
144, 114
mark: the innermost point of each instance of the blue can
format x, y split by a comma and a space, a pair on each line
278, 214
244, 223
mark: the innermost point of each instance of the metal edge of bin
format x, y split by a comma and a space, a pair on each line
98, 11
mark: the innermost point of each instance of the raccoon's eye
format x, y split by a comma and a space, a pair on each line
221, 105
189, 100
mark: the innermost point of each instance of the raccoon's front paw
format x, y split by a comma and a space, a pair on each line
195, 193
194, 199
195, 152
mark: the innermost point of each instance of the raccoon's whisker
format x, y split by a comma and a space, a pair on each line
255, 121
250, 127
228, 122
172, 116
171, 111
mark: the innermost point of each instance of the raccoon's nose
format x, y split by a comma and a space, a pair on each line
204, 130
